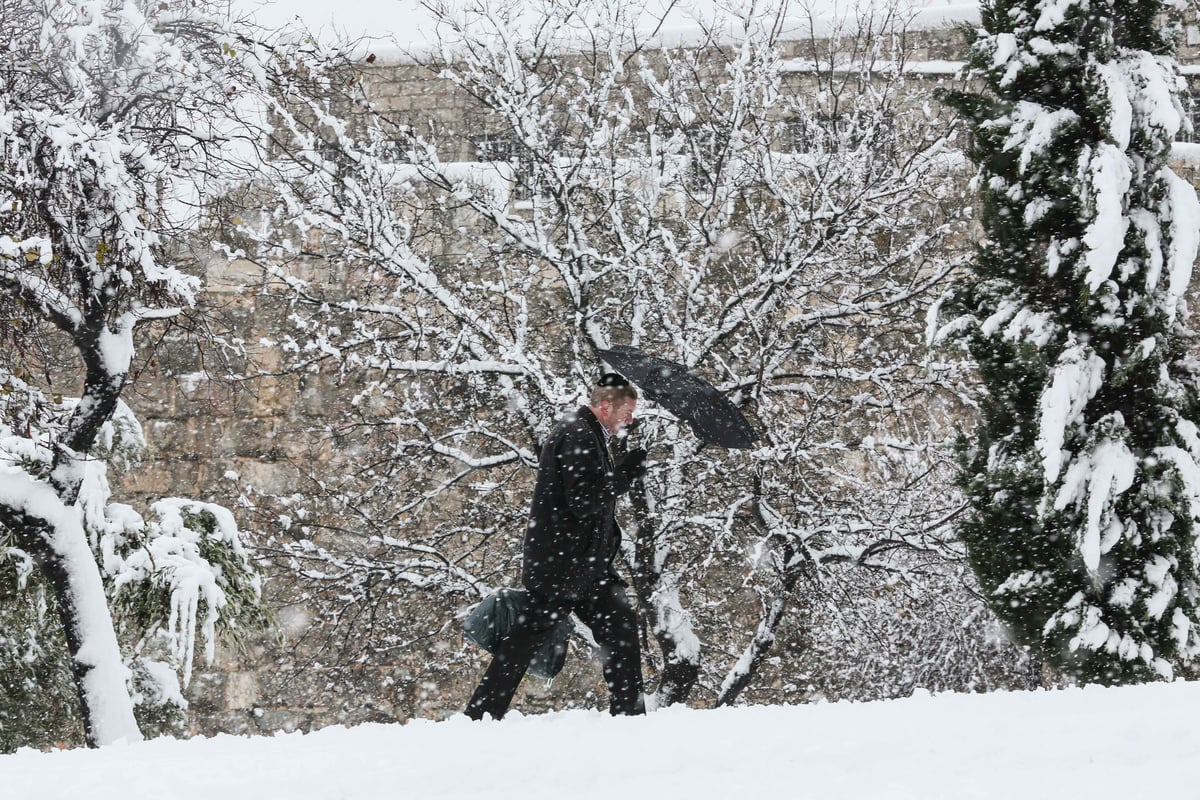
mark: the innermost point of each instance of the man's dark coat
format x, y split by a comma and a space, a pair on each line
572, 536
569, 548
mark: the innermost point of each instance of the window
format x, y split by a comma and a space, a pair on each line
706, 151
503, 149
495, 148
824, 134
1192, 109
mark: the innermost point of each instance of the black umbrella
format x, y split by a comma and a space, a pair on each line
713, 418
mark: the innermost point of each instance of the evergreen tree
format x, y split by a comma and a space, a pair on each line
1082, 478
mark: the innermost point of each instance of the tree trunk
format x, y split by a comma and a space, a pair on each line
679, 647
61, 551
756, 652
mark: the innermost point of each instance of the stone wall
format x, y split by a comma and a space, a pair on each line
213, 439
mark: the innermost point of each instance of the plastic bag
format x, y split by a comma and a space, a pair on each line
494, 617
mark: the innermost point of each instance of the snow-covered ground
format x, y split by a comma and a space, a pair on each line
1131, 743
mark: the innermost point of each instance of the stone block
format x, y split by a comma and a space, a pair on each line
197, 394
267, 397
261, 357
305, 445
189, 473
248, 437
165, 436
206, 693
241, 690
321, 396
223, 275
234, 723
150, 481
288, 720
265, 476
152, 395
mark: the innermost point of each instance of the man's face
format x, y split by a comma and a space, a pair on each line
616, 415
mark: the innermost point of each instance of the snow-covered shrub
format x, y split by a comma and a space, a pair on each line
120, 120
182, 578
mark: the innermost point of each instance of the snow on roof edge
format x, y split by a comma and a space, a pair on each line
391, 51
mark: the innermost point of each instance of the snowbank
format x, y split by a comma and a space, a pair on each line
1139, 742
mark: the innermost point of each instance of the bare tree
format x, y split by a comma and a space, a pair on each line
777, 224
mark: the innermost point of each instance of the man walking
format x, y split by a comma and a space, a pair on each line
570, 544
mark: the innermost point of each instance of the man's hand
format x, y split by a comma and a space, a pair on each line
629, 468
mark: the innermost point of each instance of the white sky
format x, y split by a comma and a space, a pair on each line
407, 21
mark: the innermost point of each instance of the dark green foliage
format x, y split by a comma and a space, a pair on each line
143, 607
39, 706
1081, 527
38, 703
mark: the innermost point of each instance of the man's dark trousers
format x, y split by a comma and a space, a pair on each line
606, 611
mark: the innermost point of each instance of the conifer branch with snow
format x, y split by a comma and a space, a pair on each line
1082, 475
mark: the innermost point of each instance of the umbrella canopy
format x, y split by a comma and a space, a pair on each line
711, 416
